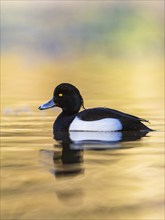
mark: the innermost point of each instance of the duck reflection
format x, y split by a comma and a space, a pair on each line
97, 140
67, 156
63, 161
73, 144
69, 162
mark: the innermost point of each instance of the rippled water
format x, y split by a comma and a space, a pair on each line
45, 179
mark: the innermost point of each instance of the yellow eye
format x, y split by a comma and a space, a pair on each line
60, 94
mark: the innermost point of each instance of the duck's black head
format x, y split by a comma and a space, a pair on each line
67, 97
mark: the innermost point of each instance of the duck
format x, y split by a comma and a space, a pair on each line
67, 97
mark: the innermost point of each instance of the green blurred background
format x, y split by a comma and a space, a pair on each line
109, 49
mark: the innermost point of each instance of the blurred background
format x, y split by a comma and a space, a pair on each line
109, 49
113, 51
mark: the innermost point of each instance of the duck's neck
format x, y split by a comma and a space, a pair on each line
69, 112
71, 108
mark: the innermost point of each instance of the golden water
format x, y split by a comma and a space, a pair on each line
125, 181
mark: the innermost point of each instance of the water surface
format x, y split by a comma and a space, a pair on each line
98, 179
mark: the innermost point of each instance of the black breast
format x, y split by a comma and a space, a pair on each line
62, 123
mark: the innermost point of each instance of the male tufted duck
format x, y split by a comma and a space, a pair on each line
69, 99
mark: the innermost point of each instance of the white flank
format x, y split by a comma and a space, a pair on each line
106, 124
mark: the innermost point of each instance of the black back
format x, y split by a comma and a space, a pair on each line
129, 122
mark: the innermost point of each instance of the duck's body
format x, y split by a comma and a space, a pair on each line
69, 99
98, 119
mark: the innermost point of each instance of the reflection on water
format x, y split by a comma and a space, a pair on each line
68, 160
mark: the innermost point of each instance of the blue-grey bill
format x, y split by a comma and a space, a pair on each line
47, 105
